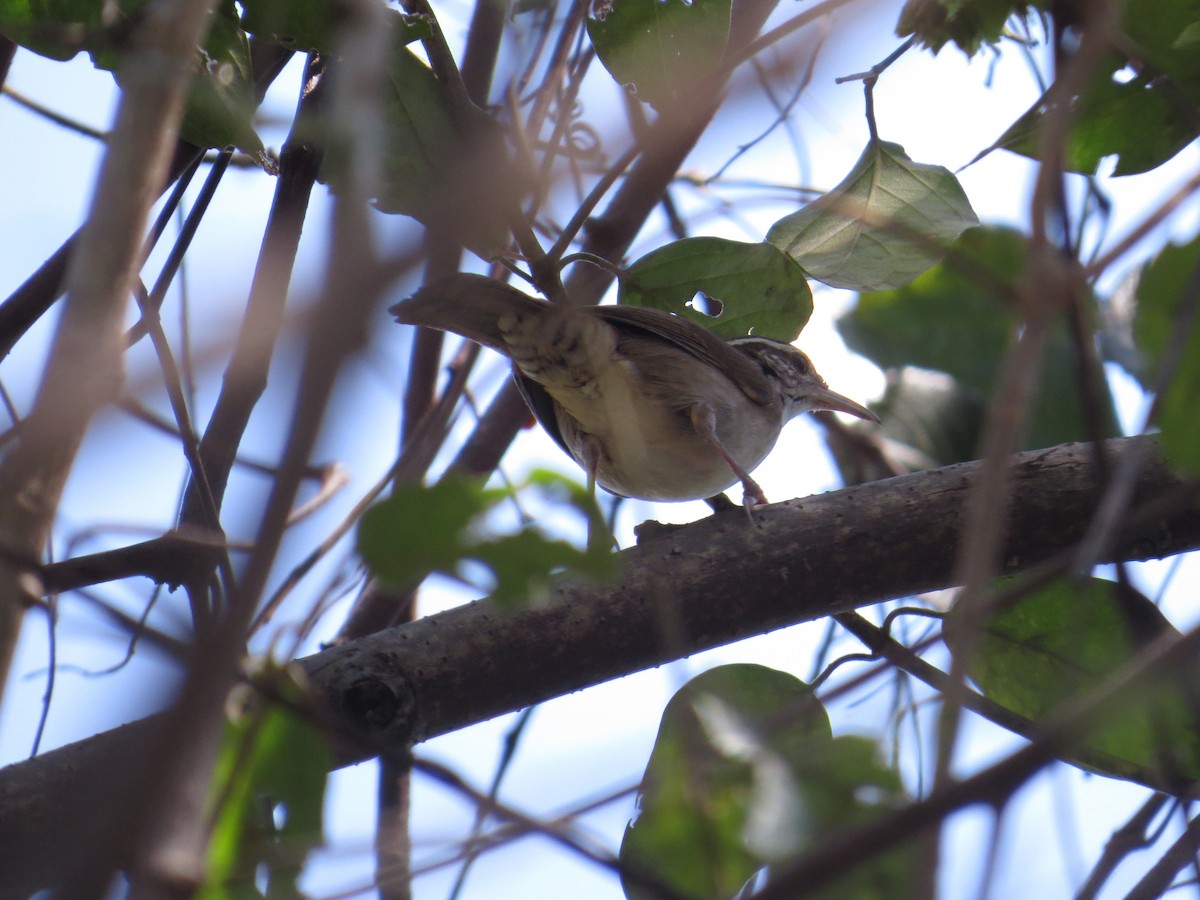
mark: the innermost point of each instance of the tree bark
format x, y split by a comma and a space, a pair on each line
682, 590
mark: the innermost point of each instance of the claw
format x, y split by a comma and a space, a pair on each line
752, 497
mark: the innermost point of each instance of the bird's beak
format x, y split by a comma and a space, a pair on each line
824, 398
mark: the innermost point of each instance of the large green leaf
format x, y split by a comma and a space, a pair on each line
1141, 105
1167, 287
952, 320
445, 528
661, 49
719, 770
59, 29
887, 222
1065, 639
745, 773
446, 167
759, 289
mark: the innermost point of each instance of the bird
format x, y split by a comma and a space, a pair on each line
653, 406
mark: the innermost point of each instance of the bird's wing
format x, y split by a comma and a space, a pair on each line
697, 340
541, 404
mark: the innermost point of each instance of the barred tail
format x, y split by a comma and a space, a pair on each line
470, 305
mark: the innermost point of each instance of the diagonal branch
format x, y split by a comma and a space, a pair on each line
686, 590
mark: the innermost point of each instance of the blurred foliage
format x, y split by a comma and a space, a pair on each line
419, 530
1166, 328
745, 774
1064, 639
268, 790
957, 318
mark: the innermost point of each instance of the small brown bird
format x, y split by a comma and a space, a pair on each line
652, 405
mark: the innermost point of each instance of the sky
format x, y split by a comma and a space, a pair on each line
596, 742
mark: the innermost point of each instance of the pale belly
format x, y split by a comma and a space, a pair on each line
652, 451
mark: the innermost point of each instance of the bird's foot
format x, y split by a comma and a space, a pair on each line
752, 497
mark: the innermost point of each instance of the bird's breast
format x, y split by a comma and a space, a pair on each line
648, 446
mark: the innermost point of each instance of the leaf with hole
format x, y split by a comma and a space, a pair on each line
756, 288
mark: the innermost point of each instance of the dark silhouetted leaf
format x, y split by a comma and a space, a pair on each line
661, 49
311, 25
1142, 106
971, 24
1065, 639
1167, 288
219, 110
952, 320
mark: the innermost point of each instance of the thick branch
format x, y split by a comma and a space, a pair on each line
689, 589
721, 580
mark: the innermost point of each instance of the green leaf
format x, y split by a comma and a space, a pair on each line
221, 102
718, 765
745, 773
1139, 106
971, 24
419, 129
1166, 286
444, 527
953, 320
846, 785
219, 110
929, 419
662, 50
449, 170
1066, 638
760, 290
59, 29
273, 764
887, 222
312, 25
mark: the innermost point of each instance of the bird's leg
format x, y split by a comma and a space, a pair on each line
705, 423
599, 534
719, 502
